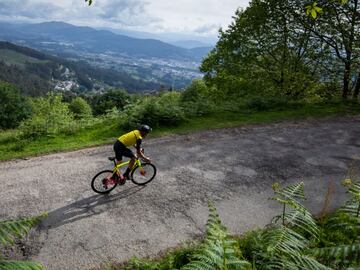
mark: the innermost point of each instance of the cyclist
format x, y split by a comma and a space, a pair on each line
132, 138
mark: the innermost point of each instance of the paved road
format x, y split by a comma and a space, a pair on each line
234, 167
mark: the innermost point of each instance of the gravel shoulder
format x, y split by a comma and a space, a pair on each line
233, 167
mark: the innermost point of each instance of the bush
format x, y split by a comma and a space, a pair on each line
196, 99
113, 98
13, 107
196, 91
154, 111
265, 103
80, 108
50, 116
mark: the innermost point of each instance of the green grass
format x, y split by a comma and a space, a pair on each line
10, 147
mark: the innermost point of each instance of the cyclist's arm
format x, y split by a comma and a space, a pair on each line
139, 152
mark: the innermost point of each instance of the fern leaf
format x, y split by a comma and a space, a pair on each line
10, 229
292, 192
303, 220
18, 265
217, 251
340, 253
283, 240
354, 190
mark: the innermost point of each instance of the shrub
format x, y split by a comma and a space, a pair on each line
80, 108
196, 99
13, 107
113, 98
259, 103
50, 116
154, 111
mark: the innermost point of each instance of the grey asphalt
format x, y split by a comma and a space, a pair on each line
233, 167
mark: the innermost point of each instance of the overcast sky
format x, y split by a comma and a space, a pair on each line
182, 16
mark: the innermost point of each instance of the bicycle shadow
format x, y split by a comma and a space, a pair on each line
84, 208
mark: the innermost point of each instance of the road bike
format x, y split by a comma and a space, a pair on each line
141, 174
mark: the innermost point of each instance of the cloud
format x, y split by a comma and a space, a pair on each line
201, 17
207, 29
27, 9
126, 12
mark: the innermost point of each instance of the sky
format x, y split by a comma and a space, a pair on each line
198, 17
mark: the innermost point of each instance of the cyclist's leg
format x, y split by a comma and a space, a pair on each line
118, 156
128, 153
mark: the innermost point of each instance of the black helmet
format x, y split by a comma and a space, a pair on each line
145, 128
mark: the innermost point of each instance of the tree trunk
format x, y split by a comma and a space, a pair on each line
346, 80
349, 48
357, 87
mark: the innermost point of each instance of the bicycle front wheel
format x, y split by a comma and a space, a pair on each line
143, 174
100, 183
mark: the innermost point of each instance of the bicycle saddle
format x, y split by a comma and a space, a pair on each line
111, 158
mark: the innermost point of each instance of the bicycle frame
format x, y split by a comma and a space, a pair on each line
117, 167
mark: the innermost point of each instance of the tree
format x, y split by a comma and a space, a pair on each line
339, 28
264, 51
13, 107
80, 108
112, 98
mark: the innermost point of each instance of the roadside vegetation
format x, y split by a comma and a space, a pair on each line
56, 122
293, 240
10, 230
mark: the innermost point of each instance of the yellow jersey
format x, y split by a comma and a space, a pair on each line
130, 138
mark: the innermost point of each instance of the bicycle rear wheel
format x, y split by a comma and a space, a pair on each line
100, 184
143, 174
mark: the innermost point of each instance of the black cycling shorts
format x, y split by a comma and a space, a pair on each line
121, 150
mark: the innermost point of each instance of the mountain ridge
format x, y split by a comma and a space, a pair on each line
96, 41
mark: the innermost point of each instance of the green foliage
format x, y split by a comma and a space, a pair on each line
197, 99
164, 110
173, 260
287, 243
13, 107
11, 229
80, 108
313, 10
218, 250
113, 98
284, 246
50, 116
18, 265
340, 240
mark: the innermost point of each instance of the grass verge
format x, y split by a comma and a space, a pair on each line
11, 147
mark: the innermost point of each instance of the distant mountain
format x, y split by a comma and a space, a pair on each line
172, 38
65, 37
36, 73
190, 44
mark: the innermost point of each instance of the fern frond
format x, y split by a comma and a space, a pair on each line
351, 207
302, 220
283, 240
10, 229
309, 263
18, 265
292, 192
217, 250
354, 190
340, 253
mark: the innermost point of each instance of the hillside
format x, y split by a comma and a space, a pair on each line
35, 73
66, 37
145, 64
